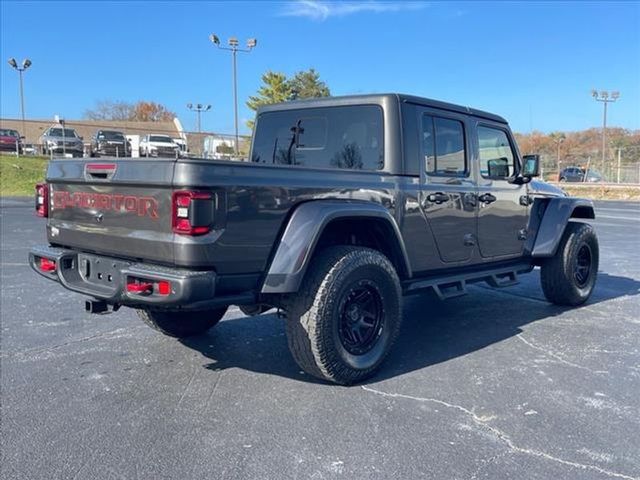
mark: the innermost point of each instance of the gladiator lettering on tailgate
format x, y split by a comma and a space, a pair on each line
141, 206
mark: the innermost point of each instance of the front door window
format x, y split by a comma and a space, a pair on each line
497, 161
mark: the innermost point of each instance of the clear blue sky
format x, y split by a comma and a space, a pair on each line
534, 63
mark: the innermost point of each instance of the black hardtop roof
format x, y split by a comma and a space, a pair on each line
378, 98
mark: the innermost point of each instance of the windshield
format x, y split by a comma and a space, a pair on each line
160, 138
111, 135
57, 132
8, 133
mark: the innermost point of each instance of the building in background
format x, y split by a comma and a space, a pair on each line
218, 146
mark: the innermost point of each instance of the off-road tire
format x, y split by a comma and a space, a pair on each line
182, 324
561, 283
316, 314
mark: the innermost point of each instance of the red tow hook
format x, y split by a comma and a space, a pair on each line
140, 288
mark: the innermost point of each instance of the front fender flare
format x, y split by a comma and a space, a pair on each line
556, 215
301, 235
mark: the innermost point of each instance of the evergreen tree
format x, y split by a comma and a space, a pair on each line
307, 84
275, 89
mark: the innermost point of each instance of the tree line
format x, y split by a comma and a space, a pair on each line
141, 111
276, 87
582, 147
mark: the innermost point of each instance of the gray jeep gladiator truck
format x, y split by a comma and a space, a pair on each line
346, 205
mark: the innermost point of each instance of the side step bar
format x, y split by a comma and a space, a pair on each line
455, 285
450, 290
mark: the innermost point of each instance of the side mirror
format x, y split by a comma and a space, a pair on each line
22, 137
531, 166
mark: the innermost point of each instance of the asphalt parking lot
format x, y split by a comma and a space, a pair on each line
496, 384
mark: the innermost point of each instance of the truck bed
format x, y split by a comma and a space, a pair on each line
123, 207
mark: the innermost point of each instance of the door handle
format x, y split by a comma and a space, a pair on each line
487, 198
438, 197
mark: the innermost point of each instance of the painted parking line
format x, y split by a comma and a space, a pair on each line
617, 217
618, 210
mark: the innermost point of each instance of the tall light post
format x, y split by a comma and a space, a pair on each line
198, 108
604, 97
26, 63
559, 138
234, 49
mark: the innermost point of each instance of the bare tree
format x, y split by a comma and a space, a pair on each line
110, 110
141, 111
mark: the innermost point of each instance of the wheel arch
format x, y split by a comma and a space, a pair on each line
319, 223
557, 214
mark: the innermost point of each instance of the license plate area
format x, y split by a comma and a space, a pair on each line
102, 271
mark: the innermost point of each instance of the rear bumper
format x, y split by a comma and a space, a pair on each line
106, 278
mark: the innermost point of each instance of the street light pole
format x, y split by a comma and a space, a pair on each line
606, 98
198, 108
235, 97
234, 49
26, 63
64, 141
558, 137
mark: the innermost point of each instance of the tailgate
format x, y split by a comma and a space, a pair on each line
119, 207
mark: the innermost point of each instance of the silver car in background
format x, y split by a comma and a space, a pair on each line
59, 140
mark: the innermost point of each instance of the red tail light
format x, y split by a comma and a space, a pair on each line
192, 212
164, 287
141, 286
47, 265
42, 200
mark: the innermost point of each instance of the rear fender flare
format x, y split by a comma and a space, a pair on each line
556, 215
305, 227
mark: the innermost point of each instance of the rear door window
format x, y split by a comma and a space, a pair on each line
348, 137
443, 146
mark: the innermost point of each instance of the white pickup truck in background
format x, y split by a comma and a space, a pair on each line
156, 145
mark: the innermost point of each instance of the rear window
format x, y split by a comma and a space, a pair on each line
329, 137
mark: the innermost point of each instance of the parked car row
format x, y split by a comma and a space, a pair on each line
62, 140
108, 143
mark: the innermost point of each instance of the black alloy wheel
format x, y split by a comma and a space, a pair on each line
361, 318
